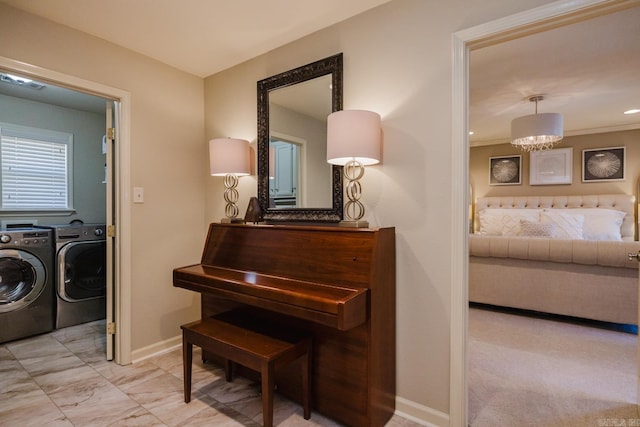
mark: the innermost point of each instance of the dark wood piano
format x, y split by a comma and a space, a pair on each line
336, 283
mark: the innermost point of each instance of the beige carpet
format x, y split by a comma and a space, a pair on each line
529, 371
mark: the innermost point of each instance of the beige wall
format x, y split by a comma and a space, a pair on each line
167, 159
397, 62
479, 167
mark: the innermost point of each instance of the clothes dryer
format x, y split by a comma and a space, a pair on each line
81, 258
26, 283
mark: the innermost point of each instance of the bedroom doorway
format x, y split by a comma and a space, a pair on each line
533, 21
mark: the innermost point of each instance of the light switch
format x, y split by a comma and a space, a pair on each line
138, 195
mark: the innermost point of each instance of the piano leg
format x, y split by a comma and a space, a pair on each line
187, 355
267, 394
228, 370
306, 382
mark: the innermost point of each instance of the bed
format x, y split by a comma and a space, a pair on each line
565, 255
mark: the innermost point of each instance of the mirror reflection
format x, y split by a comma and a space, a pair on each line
295, 182
299, 175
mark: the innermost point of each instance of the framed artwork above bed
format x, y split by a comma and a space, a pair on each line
505, 170
603, 164
551, 167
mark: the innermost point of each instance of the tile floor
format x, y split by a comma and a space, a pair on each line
63, 379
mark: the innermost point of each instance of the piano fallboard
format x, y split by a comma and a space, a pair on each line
339, 307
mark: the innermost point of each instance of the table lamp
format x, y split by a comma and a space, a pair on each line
353, 141
229, 157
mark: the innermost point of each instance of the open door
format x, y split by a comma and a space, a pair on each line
113, 111
636, 256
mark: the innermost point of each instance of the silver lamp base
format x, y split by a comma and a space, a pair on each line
353, 209
354, 223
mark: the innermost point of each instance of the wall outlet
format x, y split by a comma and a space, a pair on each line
138, 195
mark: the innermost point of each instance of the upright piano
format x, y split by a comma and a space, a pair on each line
336, 283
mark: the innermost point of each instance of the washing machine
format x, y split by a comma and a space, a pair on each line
27, 303
81, 280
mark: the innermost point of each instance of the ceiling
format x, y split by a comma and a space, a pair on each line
588, 71
201, 37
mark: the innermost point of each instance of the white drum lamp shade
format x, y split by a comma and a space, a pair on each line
229, 156
353, 135
537, 129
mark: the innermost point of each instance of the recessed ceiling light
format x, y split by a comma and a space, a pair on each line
632, 111
20, 81
18, 78
470, 132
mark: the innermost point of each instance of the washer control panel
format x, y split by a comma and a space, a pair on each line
36, 239
73, 233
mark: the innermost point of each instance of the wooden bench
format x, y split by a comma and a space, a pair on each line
256, 346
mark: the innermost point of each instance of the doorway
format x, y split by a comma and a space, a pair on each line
529, 22
117, 168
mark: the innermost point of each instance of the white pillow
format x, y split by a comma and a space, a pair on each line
536, 229
505, 222
599, 224
567, 225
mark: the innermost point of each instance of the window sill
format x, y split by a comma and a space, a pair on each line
36, 212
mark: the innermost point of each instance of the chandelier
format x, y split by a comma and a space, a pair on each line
536, 132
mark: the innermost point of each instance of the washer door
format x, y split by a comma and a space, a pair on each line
22, 279
82, 270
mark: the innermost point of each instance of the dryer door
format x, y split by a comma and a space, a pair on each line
22, 279
82, 270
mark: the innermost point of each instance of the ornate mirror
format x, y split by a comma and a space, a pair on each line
295, 182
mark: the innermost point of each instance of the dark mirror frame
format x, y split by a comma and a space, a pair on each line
333, 66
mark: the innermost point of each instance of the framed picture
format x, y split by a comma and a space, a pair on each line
551, 167
505, 170
603, 164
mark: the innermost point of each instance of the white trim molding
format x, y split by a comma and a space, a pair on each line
517, 25
156, 349
123, 241
420, 414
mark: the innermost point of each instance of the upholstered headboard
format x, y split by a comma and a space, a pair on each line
620, 202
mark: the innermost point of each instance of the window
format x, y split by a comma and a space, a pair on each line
35, 171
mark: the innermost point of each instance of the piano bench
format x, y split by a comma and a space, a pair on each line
252, 345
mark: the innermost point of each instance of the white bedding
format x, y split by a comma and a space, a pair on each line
594, 217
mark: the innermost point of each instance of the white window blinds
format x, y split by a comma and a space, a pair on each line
35, 168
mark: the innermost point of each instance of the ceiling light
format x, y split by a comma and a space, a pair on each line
20, 81
536, 131
632, 111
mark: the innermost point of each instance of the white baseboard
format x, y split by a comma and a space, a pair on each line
420, 414
156, 349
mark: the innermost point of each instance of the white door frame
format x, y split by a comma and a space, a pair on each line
528, 22
122, 281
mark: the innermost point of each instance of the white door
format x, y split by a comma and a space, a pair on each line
286, 168
113, 111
